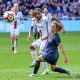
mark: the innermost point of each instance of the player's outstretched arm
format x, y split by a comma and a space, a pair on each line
63, 52
30, 33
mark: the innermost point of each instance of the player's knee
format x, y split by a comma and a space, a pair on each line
12, 37
53, 68
39, 58
32, 48
16, 38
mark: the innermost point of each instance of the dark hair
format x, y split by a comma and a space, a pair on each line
34, 11
38, 9
58, 26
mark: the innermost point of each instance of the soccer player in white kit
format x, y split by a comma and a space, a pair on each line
48, 15
15, 26
41, 24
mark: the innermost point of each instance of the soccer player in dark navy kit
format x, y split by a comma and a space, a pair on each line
51, 56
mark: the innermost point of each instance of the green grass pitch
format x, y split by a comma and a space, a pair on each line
15, 66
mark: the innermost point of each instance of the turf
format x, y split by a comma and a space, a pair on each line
15, 66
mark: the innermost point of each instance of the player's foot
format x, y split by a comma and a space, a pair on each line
45, 72
15, 51
32, 75
71, 74
31, 65
13, 48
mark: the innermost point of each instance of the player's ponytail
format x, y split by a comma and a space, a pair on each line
59, 24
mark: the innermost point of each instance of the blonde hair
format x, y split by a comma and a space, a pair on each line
58, 26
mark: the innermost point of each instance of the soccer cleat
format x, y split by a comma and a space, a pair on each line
32, 75
31, 65
44, 73
15, 51
71, 74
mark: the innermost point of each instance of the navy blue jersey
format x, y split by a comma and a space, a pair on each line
51, 55
52, 44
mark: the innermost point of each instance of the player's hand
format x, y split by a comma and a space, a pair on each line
29, 37
66, 60
42, 38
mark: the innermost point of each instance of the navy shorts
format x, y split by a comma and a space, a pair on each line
51, 58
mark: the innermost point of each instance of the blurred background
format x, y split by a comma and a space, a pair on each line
68, 11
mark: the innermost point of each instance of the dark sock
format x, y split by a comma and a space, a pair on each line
36, 67
60, 70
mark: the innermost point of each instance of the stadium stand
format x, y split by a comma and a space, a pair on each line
62, 8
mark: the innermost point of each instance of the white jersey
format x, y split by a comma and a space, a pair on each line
49, 16
41, 25
15, 25
18, 19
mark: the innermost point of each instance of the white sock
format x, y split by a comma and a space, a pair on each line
45, 66
33, 53
15, 44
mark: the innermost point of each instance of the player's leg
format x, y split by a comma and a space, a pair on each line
12, 41
44, 64
33, 54
16, 39
37, 65
33, 51
60, 70
45, 67
12, 37
53, 63
15, 43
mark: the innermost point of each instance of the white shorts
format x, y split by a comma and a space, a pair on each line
40, 44
36, 43
14, 31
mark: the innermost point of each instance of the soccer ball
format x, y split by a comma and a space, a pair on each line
8, 16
